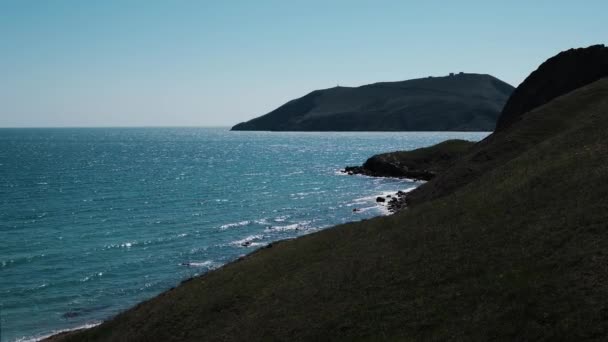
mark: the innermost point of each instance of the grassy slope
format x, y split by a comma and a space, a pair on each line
423, 163
501, 146
518, 253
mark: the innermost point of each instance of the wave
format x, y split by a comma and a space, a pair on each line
55, 332
292, 173
209, 264
127, 244
382, 206
281, 218
235, 224
382, 194
249, 241
301, 195
87, 278
262, 221
341, 172
304, 225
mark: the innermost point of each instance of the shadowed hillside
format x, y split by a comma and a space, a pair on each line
463, 102
422, 163
559, 75
515, 252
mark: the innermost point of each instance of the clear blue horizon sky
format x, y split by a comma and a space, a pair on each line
210, 63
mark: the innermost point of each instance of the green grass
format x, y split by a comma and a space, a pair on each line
515, 249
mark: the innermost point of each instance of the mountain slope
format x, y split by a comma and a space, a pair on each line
516, 253
422, 163
463, 102
557, 76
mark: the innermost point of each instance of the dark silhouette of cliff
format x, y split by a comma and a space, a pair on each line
557, 76
462, 102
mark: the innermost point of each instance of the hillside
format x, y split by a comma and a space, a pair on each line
422, 163
517, 252
559, 75
463, 102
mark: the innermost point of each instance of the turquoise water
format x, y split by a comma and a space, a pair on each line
93, 221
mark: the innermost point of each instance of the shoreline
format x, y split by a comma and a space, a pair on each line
58, 333
393, 202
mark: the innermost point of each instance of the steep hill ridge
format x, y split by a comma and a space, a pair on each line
462, 102
557, 76
554, 78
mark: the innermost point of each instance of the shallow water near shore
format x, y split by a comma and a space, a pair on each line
93, 221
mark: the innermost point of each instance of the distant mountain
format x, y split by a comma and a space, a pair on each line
459, 102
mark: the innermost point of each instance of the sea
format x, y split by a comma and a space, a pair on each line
95, 220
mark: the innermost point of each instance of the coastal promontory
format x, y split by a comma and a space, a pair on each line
457, 102
421, 164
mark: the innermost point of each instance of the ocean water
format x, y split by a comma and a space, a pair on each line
93, 221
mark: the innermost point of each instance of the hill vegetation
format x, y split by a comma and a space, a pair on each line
508, 243
422, 163
559, 75
461, 102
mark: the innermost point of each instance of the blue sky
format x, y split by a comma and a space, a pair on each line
216, 63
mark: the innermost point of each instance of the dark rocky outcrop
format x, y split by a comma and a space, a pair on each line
397, 202
419, 164
557, 76
462, 102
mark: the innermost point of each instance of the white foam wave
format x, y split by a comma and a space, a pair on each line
235, 224
55, 332
249, 241
304, 225
384, 194
281, 218
210, 264
201, 264
127, 244
382, 206
261, 221
302, 194
254, 174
